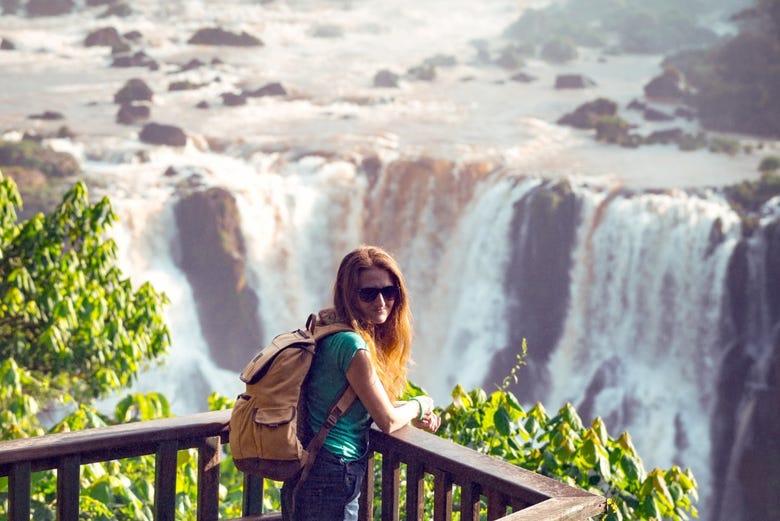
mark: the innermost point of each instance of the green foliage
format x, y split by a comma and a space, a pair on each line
562, 447
749, 196
769, 164
612, 129
28, 153
67, 315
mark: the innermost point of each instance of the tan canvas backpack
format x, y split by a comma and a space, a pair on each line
267, 421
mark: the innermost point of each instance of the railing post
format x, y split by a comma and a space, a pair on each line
415, 497
442, 496
469, 501
252, 502
68, 488
366, 501
19, 492
496, 506
208, 479
391, 486
165, 481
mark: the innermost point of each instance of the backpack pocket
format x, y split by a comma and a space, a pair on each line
276, 433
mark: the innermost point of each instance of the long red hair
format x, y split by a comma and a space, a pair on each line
389, 343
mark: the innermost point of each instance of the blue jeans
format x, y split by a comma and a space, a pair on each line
330, 493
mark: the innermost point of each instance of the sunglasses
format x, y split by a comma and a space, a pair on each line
370, 294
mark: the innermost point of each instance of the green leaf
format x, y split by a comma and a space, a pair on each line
502, 422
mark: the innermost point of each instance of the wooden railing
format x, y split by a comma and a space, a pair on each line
510, 493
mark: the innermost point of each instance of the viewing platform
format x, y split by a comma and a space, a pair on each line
497, 489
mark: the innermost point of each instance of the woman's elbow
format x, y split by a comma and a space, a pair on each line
388, 425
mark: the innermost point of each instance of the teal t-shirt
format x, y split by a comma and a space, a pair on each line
348, 438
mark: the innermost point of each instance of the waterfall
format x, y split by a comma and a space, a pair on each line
643, 334
636, 333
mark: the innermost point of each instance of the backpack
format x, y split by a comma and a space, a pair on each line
268, 423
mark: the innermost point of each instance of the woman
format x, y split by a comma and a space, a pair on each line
369, 295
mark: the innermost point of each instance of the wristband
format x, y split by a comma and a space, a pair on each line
422, 409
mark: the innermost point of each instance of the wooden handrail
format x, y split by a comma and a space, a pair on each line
510, 493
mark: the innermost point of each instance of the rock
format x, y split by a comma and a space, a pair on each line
138, 59
48, 115
134, 89
685, 113
183, 85
671, 135
233, 100
6, 45
523, 77
118, 9
192, 65
667, 86
30, 154
202, 105
130, 113
270, 89
635, 104
386, 78
219, 36
133, 36
573, 81
422, 73
212, 255
49, 7
585, 115
157, 134
652, 114
105, 37
613, 130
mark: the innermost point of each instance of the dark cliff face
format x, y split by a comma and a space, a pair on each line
746, 433
538, 282
211, 254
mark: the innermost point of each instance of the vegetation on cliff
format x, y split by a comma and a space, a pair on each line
735, 87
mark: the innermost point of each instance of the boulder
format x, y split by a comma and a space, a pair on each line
585, 115
652, 114
130, 113
48, 115
573, 81
134, 89
219, 36
137, 59
666, 136
183, 85
233, 100
667, 86
49, 7
104, 37
386, 78
211, 252
422, 73
269, 89
158, 134
523, 77
6, 45
118, 9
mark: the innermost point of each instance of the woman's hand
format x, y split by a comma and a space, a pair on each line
430, 423
428, 420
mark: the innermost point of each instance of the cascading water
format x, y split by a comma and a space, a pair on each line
643, 334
